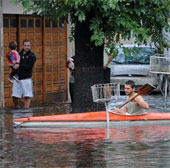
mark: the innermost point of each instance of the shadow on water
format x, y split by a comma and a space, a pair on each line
128, 146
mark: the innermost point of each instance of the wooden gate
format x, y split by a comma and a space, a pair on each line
48, 42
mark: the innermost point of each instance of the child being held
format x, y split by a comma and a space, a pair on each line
13, 58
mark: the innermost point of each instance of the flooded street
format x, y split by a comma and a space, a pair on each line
135, 146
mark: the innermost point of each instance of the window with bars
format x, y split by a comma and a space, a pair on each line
31, 23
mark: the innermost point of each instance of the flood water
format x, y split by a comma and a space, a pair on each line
132, 146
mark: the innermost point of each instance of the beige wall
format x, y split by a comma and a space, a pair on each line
11, 8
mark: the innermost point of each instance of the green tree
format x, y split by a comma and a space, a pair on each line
96, 19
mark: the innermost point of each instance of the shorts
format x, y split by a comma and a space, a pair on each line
106, 75
22, 88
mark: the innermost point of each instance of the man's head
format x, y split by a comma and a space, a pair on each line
13, 45
129, 87
26, 45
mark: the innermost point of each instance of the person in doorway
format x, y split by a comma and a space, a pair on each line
70, 66
107, 59
13, 58
24, 87
135, 106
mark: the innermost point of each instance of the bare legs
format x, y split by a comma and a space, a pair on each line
27, 102
16, 102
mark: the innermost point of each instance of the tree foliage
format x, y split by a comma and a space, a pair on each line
117, 19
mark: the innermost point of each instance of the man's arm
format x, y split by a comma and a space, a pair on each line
110, 60
140, 102
120, 111
16, 66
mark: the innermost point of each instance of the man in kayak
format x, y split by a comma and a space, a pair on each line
136, 105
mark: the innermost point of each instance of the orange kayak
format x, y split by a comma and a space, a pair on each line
86, 119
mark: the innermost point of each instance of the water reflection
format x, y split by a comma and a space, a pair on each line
74, 147
22, 114
123, 134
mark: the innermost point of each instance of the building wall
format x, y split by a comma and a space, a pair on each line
10, 7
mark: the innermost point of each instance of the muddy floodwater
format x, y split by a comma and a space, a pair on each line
135, 146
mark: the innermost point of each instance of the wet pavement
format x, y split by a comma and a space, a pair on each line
127, 146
